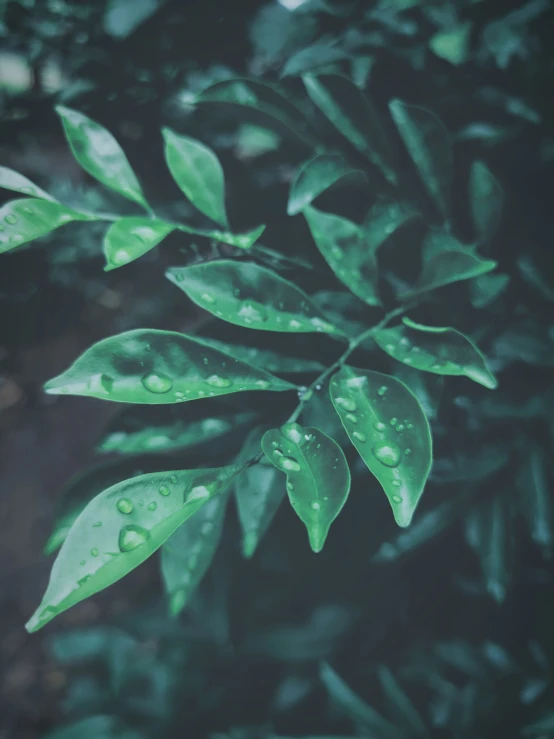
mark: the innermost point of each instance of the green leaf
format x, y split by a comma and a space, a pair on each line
452, 44
259, 491
443, 351
311, 57
428, 144
348, 109
136, 517
426, 387
248, 295
154, 367
12, 180
99, 154
486, 200
446, 267
534, 483
383, 220
386, 424
318, 175
197, 171
318, 478
343, 246
188, 553
129, 238
269, 360
485, 289
241, 241
27, 219
401, 706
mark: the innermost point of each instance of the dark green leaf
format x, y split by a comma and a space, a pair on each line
136, 517
99, 154
525, 341
428, 144
99, 727
485, 289
536, 275
121, 18
130, 238
383, 220
311, 57
536, 499
401, 706
27, 219
318, 175
486, 200
426, 387
318, 478
443, 351
248, 295
269, 360
452, 44
446, 267
154, 367
350, 112
197, 171
12, 180
343, 246
386, 424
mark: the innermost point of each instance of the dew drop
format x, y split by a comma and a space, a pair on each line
251, 312
157, 383
97, 524
206, 528
316, 506
131, 537
164, 490
152, 506
173, 479
290, 487
263, 384
83, 562
358, 435
400, 427
390, 347
199, 492
388, 453
124, 505
346, 403
94, 552
289, 464
121, 256
351, 417
396, 499
379, 426
382, 390
294, 324
407, 452
395, 484
393, 421
409, 425
207, 298
293, 432
11, 219
216, 381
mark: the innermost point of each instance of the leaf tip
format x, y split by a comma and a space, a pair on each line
249, 544
177, 602
317, 539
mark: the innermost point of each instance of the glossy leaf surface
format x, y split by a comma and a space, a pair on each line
386, 424
443, 351
197, 171
318, 477
318, 175
189, 551
449, 266
383, 220
428, 144
129, 238
154, 367
485, 199
269, 360
343, 246
16, 182
248, 295
348, 109
99, 154
27, 219
136, 517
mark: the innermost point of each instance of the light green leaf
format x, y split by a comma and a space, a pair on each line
348, 109
343, 246
428, 144
136, 517
318, 478
449, 266
486, 200
443, 351
28, 218
401, 706
311, 57
485, 289
452, 44
316, 176
188, 553
383, 220
99, 154
241, 241
129, 238
533, 482
154, 367
269, 360
248, 295
197, 171
386, 424
12, 180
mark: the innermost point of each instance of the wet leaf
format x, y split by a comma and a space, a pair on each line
197, 171
536, 499
248, 295
343, 246
189, 551
311, 57
350, 112
383, 220
318, 478
316, 176
27, 219
448, 266
401, 706
428, 144
99, 154
12, 180
136, 517
486, 200
269, 360
129, 238
155, 367
443, 351
485, 289
386, 424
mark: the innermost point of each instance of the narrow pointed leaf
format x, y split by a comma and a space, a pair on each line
428, 144
189, 551
401, 706
343, 246
386, 424
443, 351
348, 109
318, 477
248, 295
536, 498
154, 367
269, 360
244, 240
486, 200
130, 238
136, 517
12, 180
383, 220
197, 171
99, 154
447, 267
316, 176
29, 218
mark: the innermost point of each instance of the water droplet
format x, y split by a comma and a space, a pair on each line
316, 506
293, 432
179, 395
395, 484
263, 384
121, 256
131, 537
396, 499
216, 381
277, 453
390, 347
400, 427
388, 453
157, 383
409, 425
379, 426
94, 552
83, 562
199, 492
124, 505
173, 479
293, 323
358, 435
206, 527
97, 524
382, 390
207, 298
393, 421
351, 417
290, 487
407, 452
252, 312
11, 219
320, 325
404, 341
164, 490
152, 506
337, 252
107, 382
346, 403
289, 464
